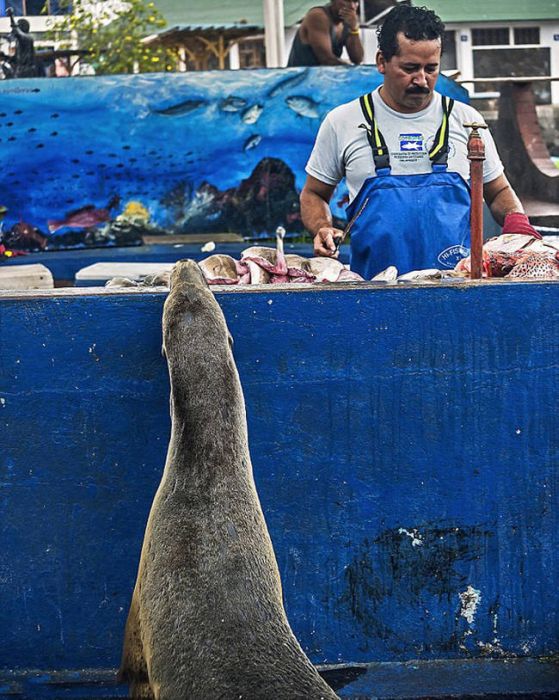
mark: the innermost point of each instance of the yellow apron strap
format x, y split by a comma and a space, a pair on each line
438, 154
374, 136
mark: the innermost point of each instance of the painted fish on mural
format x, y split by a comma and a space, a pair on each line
180, 108
252, 114
288, 83
252, 142
303, 106
84, 217
232, 103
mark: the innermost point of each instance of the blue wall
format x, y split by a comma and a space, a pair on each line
405, 446
180, 144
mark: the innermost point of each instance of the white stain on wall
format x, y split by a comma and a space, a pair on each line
469, 601
414, 535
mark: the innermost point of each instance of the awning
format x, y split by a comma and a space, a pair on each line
200, 40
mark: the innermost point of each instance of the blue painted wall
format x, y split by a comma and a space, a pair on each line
181, 145
405, 445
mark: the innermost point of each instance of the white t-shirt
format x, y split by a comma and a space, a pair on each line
342, 149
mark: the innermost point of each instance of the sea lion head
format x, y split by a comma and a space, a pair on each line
187, 272
196, 340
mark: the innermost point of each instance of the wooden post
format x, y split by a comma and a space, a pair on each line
476, 156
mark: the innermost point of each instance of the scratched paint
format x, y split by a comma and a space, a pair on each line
414, 536
469, 601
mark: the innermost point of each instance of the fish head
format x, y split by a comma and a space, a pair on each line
219, 267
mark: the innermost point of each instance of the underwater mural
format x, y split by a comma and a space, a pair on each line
93, 161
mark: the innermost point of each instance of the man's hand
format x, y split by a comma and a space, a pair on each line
327, 241
516, 222
349, 15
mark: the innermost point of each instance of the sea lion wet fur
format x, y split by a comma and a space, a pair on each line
207, 619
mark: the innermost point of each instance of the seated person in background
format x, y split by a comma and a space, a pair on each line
324, 33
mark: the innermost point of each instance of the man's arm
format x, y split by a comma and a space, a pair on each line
10, 13
353, 44
501, 198
317, 217
354, 48
317, 34
506, 208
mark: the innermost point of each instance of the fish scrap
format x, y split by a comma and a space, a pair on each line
516, 257
510, 256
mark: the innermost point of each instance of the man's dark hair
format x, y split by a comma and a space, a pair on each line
416, 23
24, 25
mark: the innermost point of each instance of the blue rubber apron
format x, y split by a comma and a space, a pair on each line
414, 222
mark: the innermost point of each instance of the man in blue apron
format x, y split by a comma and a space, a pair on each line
324, 33
403, 152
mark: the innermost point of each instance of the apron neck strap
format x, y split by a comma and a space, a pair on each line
438, 155
374, 137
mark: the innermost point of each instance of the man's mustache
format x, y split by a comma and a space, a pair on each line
418, 90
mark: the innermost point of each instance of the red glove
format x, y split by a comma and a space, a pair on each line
515, 222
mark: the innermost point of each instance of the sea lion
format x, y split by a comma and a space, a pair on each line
207, 619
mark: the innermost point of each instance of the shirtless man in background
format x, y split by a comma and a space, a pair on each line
325, 32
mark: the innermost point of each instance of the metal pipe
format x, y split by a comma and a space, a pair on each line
476, 156
274, 33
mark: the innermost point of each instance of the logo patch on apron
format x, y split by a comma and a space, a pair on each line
450, 257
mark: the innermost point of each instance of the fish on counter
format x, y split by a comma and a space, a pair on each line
223, 269
516, 257
510, 256
534, 265
388, 275
270, 260
121, 282
261, 265
156, 279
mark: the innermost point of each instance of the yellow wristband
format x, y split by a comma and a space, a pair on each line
355, 31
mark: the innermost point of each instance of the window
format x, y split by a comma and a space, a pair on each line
448, 59
526, 35
492, 36
514, 62
34, 8
252, 53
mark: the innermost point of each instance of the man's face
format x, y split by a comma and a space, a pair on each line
410, 75
341, 7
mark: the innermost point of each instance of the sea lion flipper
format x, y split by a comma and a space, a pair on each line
133, 669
